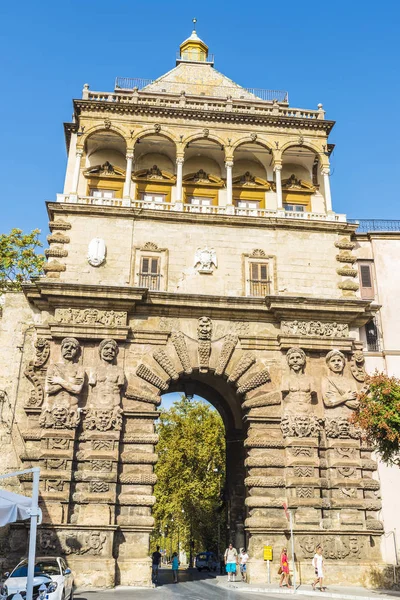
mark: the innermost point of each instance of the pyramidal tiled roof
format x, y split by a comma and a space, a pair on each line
198, 79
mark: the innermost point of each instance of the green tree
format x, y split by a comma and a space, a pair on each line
191, 475
18, 259
379, 415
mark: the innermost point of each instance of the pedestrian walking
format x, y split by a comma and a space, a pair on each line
284, 569
231, 560
243, 558
318, 564
175, 566
155, 564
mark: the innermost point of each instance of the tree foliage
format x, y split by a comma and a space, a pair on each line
18, 259
379, 415
191, 475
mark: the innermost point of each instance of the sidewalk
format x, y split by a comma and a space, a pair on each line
332, 591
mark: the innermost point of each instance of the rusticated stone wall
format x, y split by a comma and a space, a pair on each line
91, 382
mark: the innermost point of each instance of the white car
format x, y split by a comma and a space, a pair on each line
50, 571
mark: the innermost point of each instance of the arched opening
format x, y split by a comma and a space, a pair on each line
104, 166
207, 511
154, 171
301, 180
253, 178
203, 173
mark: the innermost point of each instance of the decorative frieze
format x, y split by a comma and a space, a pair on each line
254, 382
204, 331
301, 426
241, 367
341, 427
315, 328
228, 348
179, 342
90, 316
148, 375
162, 358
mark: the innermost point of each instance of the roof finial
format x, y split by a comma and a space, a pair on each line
194, 24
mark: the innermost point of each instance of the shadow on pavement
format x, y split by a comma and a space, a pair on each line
165, 576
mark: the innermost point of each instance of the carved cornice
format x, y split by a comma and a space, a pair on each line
48, 295
190, 114
352, 311
60, 208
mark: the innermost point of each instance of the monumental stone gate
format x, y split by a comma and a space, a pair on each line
194, 249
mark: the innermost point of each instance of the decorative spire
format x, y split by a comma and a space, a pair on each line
193, 49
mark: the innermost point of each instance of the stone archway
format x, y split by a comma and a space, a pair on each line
218, 370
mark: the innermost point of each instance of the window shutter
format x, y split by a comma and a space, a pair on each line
254, 271
154, 266
145, 265
367, 287
263, 272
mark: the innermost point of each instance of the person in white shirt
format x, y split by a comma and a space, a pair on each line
318, 564
243, 557
231, 559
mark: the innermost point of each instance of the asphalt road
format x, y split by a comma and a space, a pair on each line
191, 586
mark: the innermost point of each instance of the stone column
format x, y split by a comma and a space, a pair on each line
179, 173
77, 169
128, 175
327, 186
229, 195
278, 181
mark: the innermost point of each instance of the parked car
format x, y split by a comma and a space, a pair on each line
206, 560
49, 571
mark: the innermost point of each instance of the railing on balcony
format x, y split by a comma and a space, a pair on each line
195, 208
365, 225
130, 83
194, 56
259, 287
151, 281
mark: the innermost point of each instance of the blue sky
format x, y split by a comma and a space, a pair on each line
343, 54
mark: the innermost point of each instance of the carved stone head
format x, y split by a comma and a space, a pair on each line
204, 328
108, 350
335, 361
70, 348
296, 359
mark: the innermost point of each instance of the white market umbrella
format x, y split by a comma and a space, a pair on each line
15, 507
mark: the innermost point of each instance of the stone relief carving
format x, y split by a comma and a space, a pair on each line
90, 316
96, 252
59, 224
241, 367
205, 259
204, 331
297, 388
337, 389
162, 358
268, 399
150, 246
36, 397
228, 348
140, 397
335, 547
92, 543
254, 382
178, 340
299, 451
148, 375
301, 471
64, 383
345, 244
57, 238
347, 471
101, 465
341, 428
301, 426
348, 285
167, 324
99, 487
357, 366
315, 328
346, 257
258, 253
107, 382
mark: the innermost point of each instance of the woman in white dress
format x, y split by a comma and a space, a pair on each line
318, 564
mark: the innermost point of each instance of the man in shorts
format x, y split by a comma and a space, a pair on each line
243, 557
155, 564
231, 559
